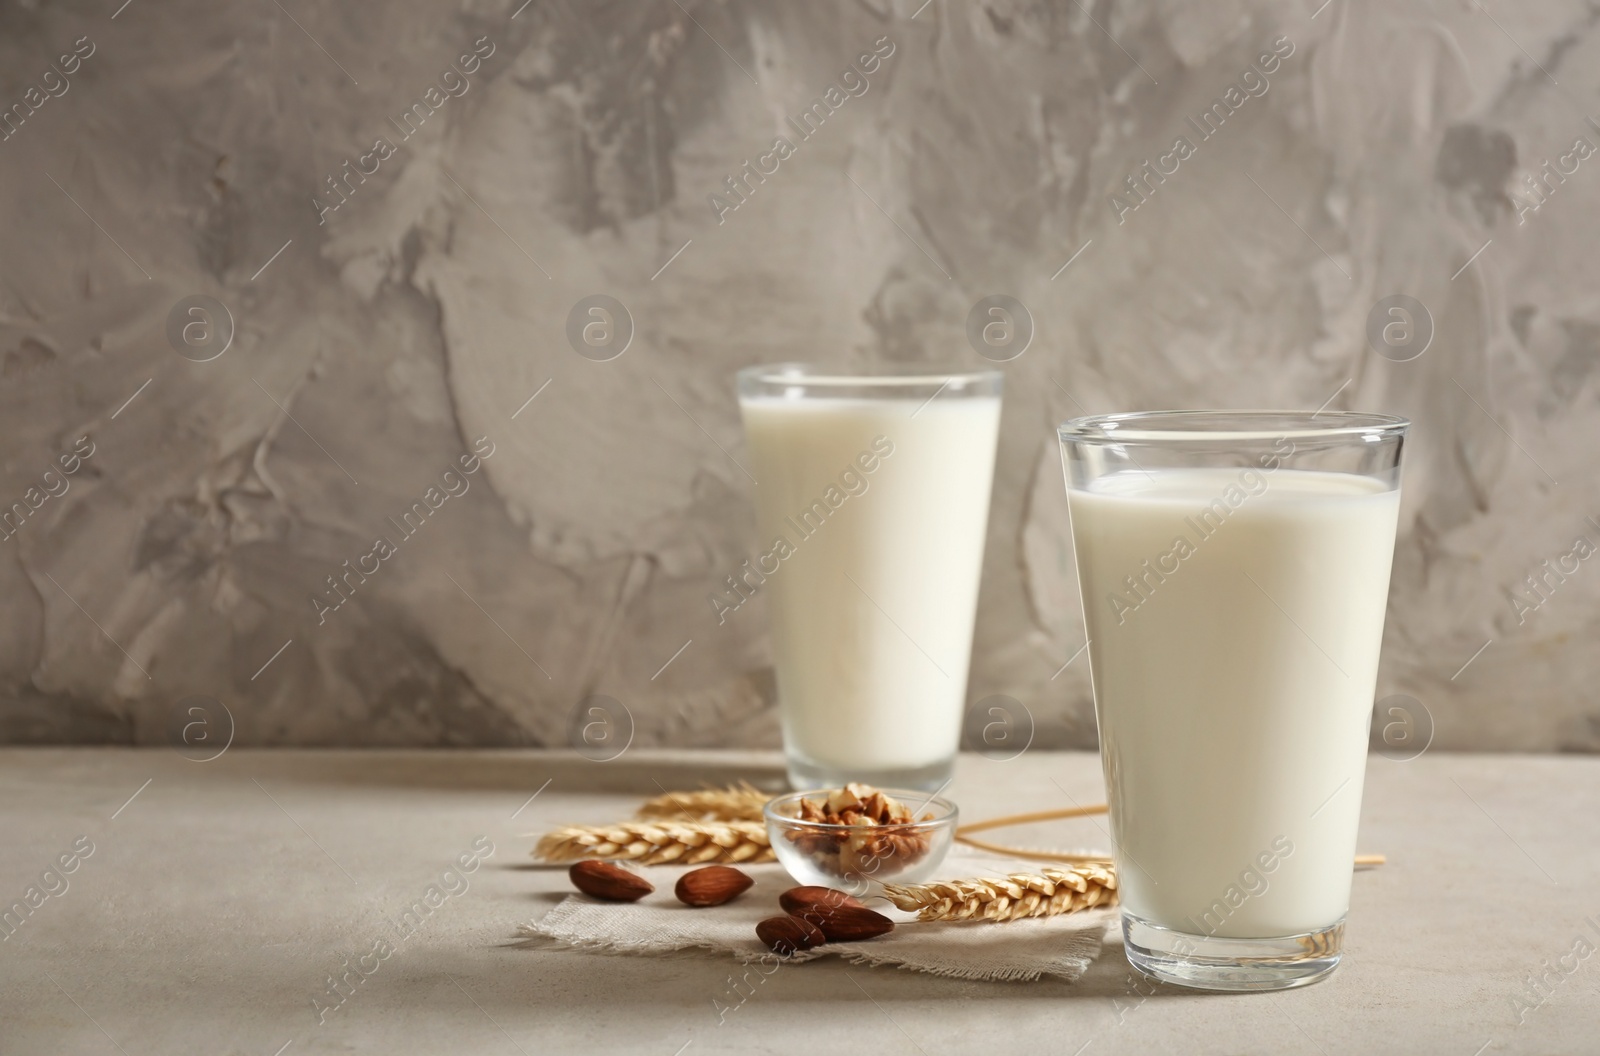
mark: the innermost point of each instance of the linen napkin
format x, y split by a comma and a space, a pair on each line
1016, 951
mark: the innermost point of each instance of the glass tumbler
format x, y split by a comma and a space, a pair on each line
1234, 572
872, 500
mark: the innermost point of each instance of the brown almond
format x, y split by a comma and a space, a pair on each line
711, 886
788, 935
799, 900
607, 881
853, 923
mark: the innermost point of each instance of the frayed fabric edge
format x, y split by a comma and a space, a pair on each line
530, 936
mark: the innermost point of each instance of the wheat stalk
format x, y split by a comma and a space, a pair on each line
659, 842
1069, 857
964, 835
1047, 893
741, 802
727, 827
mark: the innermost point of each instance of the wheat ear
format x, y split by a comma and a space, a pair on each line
741, 802
1047, 893
659, 842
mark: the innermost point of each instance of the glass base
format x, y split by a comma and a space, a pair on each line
805, 775
1212, 962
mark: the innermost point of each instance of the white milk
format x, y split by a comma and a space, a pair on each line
872, 609
1234, 714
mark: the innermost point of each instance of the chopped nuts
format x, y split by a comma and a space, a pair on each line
855, 855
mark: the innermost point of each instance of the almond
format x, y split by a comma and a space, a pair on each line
788, 935
801, 900
610, 882
853, 923
711, 886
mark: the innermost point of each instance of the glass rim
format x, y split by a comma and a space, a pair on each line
1189, 426
877, 376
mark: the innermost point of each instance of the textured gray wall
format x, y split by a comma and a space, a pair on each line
379, 330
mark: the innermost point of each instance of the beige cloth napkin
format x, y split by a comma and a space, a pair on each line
1017, 951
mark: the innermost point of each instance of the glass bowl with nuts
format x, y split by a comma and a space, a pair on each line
857, 835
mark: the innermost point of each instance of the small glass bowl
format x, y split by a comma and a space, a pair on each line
853, 857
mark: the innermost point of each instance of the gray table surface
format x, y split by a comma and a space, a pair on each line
219, 896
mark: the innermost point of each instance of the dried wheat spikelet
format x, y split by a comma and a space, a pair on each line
1047, 893
741, 802
659, 842
1322, 944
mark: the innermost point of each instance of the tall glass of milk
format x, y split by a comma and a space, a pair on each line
1234, 570
872, 500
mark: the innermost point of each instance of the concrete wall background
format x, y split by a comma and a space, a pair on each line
378, 331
